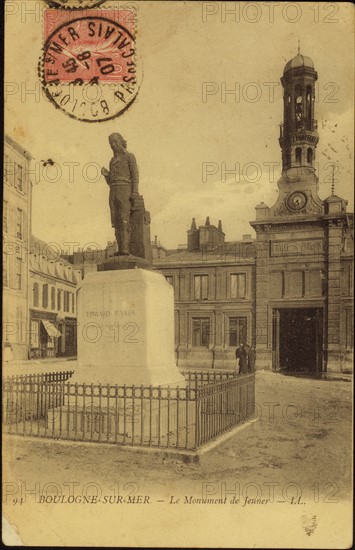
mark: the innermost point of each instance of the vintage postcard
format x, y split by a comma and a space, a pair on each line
178, 269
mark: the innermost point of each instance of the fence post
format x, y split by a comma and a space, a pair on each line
197, 421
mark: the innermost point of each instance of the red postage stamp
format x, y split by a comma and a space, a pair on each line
74, 4
88, 68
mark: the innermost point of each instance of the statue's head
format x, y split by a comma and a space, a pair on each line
117, 142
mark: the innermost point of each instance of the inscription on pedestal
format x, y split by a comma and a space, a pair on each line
107, 313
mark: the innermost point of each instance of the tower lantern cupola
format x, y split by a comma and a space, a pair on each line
298, 133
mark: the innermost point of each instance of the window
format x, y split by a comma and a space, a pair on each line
19, 224
34, 336
309, 99
9, 170
5, 270
201, 332
309, 155
298, 155
18, 274
52, 297
66, 301
201, 287
59, 300
45, 296
5, 217
50, 342
298, 103
73, 302
237, 330
288, 158
36, 295
238, 285
19, 177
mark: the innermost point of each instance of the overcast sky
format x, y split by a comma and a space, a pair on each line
172, 131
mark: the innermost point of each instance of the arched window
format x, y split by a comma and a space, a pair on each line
309, 102
45, 296
298, 155
298, 103
36, 294
309, 155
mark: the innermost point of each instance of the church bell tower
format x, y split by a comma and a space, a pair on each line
298, 133
298, 185
300, 266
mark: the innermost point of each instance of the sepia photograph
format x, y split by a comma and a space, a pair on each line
178, 272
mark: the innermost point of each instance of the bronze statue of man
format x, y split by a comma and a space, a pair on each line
122, 179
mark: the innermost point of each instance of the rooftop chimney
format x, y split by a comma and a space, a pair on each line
193, 237
207, 221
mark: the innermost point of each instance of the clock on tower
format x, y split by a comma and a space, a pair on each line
296, 200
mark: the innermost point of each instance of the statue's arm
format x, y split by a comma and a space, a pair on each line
106, 174
133, 169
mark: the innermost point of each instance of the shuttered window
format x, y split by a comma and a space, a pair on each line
238, 285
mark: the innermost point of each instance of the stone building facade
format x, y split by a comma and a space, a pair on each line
296, 302
39, 304
304, 260
17, 190
52, 301
214, 288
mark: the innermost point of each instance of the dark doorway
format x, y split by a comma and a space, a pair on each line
297, 340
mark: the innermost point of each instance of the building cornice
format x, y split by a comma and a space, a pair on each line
201, 264
52, 277
18, 148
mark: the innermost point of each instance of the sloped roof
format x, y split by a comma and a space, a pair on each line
37, 246
236, 252
43, 250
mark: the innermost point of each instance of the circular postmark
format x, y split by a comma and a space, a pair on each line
88, 68
74, 4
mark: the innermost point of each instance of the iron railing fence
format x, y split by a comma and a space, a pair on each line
195, 379
223, 405
48, 405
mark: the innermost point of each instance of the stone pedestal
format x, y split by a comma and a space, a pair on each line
124, 262
126, 329
132, 421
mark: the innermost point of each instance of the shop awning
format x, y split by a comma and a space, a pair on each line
51, 329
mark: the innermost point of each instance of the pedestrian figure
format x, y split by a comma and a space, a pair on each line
241, 354
251, 360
